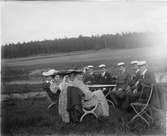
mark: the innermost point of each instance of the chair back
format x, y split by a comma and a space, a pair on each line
150, 92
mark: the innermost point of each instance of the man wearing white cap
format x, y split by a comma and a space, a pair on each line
142, 67
122, 84
90, 66
134, 65
133, 93
135, 75
104, 76
90, 76
148, 78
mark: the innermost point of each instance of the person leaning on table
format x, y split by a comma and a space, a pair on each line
122, 85
90, 77
104, 76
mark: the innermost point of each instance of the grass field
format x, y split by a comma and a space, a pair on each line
20, 69
31, 117
36, 120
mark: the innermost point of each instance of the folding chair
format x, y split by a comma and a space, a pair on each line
108, 100
90, 110
141, 109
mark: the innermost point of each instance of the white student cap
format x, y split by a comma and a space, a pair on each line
134, 62
121, 64
141, 63
90, 66
102, 66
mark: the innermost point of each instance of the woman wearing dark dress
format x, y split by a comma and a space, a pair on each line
51, 86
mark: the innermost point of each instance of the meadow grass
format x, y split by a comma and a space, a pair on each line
36, 119
21, 88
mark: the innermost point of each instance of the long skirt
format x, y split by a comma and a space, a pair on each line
99, 99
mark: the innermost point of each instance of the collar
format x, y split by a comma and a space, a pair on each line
137, 70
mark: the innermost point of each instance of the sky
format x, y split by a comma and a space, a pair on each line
40, 20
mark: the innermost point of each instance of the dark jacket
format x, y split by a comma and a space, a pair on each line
52, 96
134, 78
90, 78
123, 80
104, 79
157, 99
74, 97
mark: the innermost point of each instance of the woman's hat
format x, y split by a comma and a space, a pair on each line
51, 72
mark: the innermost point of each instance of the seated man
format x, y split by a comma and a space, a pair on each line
104, 76
133, 92
89, 76
122, 85
147, 78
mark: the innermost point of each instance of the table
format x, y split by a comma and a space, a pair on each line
100, 86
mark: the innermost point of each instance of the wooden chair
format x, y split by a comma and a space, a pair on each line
141, 109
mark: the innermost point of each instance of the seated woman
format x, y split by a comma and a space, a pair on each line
51, 85
70, 106
91, 98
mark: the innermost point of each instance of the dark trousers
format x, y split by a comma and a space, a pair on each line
121, 102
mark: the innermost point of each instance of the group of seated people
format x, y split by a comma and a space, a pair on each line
70, 88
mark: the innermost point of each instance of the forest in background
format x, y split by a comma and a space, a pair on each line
81, 43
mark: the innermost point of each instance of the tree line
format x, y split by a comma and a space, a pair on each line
81, 43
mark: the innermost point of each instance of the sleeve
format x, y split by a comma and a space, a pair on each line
45, 86
54, 88
133, 81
